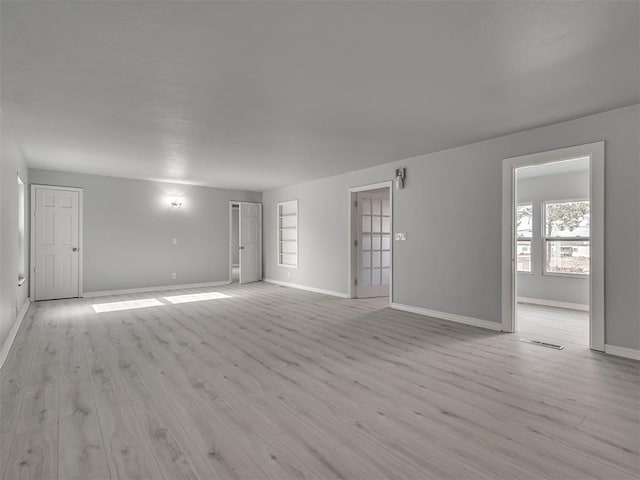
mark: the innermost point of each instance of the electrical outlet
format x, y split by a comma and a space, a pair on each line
174, 240
174, 276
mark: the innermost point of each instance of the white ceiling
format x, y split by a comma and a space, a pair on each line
261, 94
577, 165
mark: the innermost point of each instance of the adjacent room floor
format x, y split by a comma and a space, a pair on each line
560, 326
259, 381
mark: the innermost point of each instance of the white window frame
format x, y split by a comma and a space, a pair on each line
530, 239
279, 233
546, 239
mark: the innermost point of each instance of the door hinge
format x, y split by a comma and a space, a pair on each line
34, 269
355, 281
356, 204
35, 213
355, 243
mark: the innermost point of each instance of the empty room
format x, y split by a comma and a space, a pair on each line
360, 239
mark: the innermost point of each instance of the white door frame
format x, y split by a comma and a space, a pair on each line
352, 260
231, 204
32, 248
595, 153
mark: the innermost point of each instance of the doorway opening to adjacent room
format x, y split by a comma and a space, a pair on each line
245, 242
553, 255
370, 241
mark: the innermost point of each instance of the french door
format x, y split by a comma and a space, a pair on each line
373, 243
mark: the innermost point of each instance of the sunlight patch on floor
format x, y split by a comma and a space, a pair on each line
196, 297
126, 305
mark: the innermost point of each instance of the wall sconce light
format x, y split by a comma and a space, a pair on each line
401, 174
176, 203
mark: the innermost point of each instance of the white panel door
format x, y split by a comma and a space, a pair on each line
57, 235
374, 244
250, 242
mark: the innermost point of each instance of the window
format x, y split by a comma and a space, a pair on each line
566, 237
21, 239
524, 232
288, 234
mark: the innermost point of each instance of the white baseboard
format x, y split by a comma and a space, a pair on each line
304, 287
554, 303
622, 352
162, 288
475, 322
4, 353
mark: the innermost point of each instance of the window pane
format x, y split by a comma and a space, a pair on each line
386, 209
386, 259
386, 242
524, 221
366, 259
567, 257
366, 224
523, 255
366, 206
386, 224
375, 259
375, 224
375, 276
376, 242
377, 210
567, 219
366, 277
366, 242
385, 276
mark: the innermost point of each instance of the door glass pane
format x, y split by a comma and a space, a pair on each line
366, 206
375, 259
366, 277
366, 259
386, 207
376, 242
386, 224
375, 276
386, 242
375, 224
523, 255
377, 210
366, 224
385, 276
386, 259
366, 242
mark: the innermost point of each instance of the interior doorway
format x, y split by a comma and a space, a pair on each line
245, 242
552, 240
56, 242
371, 242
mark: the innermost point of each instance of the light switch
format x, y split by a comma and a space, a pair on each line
400, 237
174, 240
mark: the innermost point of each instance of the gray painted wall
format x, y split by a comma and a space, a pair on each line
129, 227
569, 186
12, 297
451, 211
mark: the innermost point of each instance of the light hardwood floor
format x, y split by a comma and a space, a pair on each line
285, 384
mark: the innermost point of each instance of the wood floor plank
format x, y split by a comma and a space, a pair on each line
34, 455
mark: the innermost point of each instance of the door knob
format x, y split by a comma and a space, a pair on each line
75, 249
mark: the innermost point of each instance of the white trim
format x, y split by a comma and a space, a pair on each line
32, 231
304, 287
554, 303
8, 343
231, 204
452, 317
161, 288
351, 259
595, 153
631, 353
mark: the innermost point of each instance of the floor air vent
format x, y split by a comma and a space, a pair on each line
542, 344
